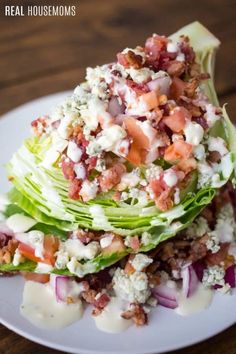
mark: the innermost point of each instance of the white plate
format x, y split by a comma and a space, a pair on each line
166, 330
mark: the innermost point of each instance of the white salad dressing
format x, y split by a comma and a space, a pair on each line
41, 308
110, 319
198, 301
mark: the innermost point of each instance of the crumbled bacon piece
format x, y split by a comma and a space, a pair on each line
130, 59
89, 296
134, 243
111, 177
139, 89
74, 189
187, 50
137, 314
84, 236
154, 46
68, 169
101, 301
175, 68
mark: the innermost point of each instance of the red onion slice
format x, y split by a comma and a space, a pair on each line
230, 276
166, 296
114, 107
161, 84
62, 287
190, 281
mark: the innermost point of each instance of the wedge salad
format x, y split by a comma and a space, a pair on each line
123, 197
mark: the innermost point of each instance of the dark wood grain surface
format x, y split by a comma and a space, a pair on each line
43, 55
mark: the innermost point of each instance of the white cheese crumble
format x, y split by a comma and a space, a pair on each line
89, 190
177, 196
199, 152
80, 171
107, 140
217, 144
213, 276
133, 288
140, 75
36, 239
225, 225
62, 259
129, 180
193, 133
74, 152
18, 258
210, 115
106, 240
146, 238
75, 248
153, 172
141, 261
170, 178
198, 228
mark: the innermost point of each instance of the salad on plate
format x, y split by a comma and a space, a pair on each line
123, 196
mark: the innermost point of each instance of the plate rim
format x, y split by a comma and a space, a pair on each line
45, 342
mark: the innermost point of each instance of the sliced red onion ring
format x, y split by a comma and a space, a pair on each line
114, 107
166, 296
190, 281
162, 84
62, 287
230, 276
199, 268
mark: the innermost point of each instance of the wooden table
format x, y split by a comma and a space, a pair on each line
43, 55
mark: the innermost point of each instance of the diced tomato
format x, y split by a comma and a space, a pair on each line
150, 100
140, 144
177, 119
177, 151
51, 245
187, 165
39, 278
117, 246
213, 259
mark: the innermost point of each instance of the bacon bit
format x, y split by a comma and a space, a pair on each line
117, 196
218, 257
137, 314
130, 59
139, 89
68, 169
85, 237
154, 280
198, 249
175, 68
134, 243
153, 47
129, 269
74, 189
102, 301
117, 245
39, 125
187, 50
162, 194
190, 87
195, 70
111, 177
91, 162
89, 296
177, 88
155, 116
